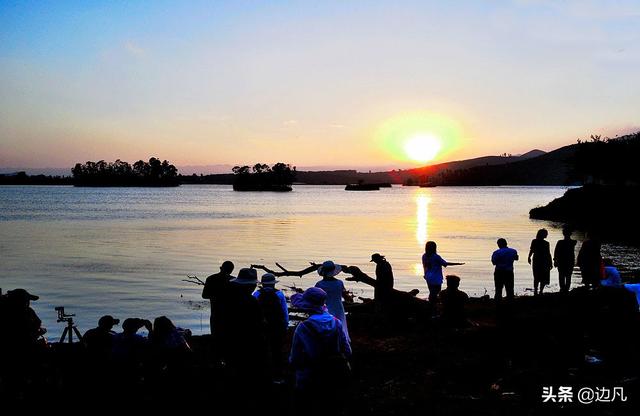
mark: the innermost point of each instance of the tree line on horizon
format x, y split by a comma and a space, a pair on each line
120, 173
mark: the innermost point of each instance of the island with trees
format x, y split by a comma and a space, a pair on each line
262, 177
154, 173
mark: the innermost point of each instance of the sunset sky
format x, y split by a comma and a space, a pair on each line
314, 84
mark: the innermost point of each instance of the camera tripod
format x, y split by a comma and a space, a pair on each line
70, 328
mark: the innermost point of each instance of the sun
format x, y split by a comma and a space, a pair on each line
423, 147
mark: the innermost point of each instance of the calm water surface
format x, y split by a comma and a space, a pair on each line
125, 251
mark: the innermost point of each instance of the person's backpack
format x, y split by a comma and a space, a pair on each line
272, 309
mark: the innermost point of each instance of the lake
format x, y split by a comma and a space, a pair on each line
125, 251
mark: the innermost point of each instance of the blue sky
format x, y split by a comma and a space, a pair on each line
308, 82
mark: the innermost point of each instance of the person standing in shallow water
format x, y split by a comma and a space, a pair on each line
433, 264
564, 258
503, 259
335, 292
540, 261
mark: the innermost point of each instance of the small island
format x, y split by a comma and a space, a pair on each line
606, 204
263, 178
143, 174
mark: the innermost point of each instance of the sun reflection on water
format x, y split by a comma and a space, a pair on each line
422, 218
422, 221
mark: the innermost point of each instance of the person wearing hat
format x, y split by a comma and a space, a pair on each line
241, 328
335, 291
99, 341
384, 278
214, 287
319, 354
276, 315
453, 303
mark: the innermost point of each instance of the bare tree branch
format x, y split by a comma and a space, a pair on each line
285, 272
194, 279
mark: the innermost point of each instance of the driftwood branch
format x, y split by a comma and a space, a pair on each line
285, 272
194, 279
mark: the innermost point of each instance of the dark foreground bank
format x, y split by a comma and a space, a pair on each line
501, 364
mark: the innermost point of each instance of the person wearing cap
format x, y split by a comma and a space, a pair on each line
319, 354
21, 350
276, 314
453, 303
20, 322
214, 287
335, 291
99, 341
384, 278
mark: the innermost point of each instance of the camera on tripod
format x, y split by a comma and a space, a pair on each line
64, 317
70, 329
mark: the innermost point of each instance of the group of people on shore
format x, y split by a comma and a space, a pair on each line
595, 270
249, 321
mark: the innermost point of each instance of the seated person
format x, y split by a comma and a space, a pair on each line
611, 275
99, 340
129, 346
21, 321
453, 303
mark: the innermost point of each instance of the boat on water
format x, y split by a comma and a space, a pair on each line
362, 187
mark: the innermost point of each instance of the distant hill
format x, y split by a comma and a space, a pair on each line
347, 176
552, 168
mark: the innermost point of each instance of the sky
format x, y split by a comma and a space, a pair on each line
315, 84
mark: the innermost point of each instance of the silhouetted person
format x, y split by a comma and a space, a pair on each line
564, 258
540, 260
170, 353
334, 288
214, 287
611, 275
454, 302
169, 338
503, 259
19, 322
590, 262
129, 347
21, 349
276, 315
99, 341
99, 366
319, 355
432, 264
242, 332
384, 278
